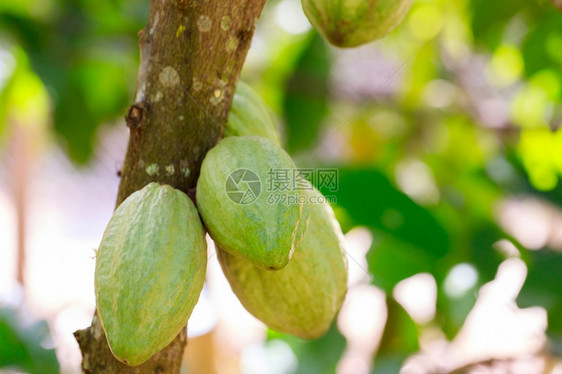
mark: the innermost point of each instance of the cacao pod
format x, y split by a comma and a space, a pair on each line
303, 298
249, 116
150, 270
239, 214
349, 23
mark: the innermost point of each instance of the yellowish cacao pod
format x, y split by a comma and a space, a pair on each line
350, 23
150, 270
249, 116
303, 298
236, 206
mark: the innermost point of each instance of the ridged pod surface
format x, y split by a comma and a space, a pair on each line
303, 298
150, 269
350, 23
235, 203
249, 116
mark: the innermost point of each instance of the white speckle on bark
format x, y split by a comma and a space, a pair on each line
181, 118
204, 24
197, 85
225, 23
169, 77
184, 168
158, 96
217, 97
231, 44
228, 69
170, 169
152, 169
141, 164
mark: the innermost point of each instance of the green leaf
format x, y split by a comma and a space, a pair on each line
94, 91
490, 17
392, 260
75, 124
542, 45
319, 355
370, 200
452, 312
400, 338
306, 97
20, 347
543, 286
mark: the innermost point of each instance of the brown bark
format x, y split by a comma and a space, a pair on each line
191, 56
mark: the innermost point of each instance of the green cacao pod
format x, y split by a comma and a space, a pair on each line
150, 270
237, 208
303, 298
249, 116
349, 23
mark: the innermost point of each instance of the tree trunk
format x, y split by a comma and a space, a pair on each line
192, 52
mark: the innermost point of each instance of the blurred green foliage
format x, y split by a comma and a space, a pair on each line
450, 57
21, 344
317, 356
84, 52
305, 102
467, 116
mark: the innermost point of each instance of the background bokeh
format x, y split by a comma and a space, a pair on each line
446, 136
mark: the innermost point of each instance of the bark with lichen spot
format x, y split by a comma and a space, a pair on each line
192, 52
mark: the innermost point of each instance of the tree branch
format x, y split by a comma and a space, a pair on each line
191, 56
